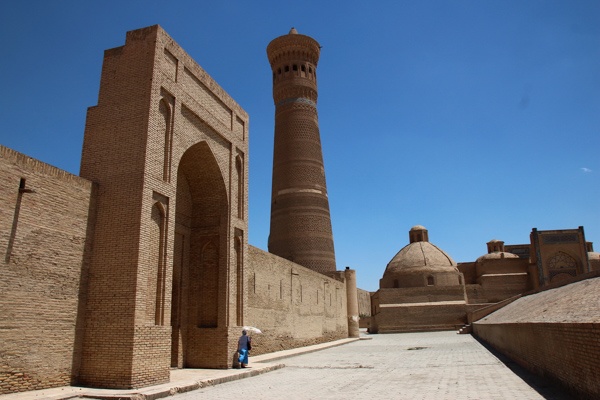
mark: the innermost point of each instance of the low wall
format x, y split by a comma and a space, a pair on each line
292, 305
419, 318
43, 230
566, 352
554, 332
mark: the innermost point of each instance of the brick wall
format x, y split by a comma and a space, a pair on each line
364, 302
43, 240
419, 318
421, 294
566, 352
293, 306
553, 332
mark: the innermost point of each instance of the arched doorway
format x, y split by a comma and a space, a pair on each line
199, 260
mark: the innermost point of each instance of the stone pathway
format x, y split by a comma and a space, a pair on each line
435, 365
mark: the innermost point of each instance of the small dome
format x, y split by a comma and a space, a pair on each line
293, 31
497, 255
418, 228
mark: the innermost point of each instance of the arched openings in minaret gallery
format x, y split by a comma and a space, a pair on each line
303, 70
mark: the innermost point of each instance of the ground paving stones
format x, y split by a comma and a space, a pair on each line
435, 365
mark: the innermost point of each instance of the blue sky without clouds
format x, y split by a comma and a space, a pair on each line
477, 119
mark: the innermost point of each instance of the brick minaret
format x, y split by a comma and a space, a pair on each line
300, 220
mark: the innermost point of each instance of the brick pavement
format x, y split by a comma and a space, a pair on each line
434, 365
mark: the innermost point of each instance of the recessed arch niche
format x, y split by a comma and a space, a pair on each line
200, 257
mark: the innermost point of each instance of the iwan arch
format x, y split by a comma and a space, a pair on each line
167, 149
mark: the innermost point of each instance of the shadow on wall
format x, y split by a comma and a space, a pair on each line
547, 388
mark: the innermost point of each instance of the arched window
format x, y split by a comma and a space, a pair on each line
561, 263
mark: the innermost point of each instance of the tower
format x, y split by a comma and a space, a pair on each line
300, 220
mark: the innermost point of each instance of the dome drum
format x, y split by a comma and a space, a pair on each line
421, 278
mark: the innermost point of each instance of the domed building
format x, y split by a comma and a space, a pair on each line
419, 264
497, 275
421, 289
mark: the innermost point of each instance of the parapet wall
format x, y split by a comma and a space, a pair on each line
293, 305
45, 216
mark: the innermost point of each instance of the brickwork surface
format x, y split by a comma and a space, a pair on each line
293, 305
433, 365
554, 333
43, 232
300, 219
168, 148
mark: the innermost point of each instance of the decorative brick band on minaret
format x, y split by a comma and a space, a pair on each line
300, 221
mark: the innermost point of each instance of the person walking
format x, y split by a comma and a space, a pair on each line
244, 345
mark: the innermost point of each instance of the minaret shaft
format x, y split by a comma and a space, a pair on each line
300, 219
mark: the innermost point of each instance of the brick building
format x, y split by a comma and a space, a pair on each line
142, 264
423, 289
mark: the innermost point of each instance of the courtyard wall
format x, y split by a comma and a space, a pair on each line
292, 305
46, 215
554, 333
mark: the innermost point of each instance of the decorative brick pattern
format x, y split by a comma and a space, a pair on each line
162, 144
300, 220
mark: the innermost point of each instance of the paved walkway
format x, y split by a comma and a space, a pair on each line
435, 365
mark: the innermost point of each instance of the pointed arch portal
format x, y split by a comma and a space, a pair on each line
199, 260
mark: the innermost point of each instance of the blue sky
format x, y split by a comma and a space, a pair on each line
477, 119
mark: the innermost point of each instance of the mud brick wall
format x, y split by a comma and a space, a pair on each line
293, 306
43, 230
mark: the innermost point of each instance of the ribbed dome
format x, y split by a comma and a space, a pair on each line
421, 257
